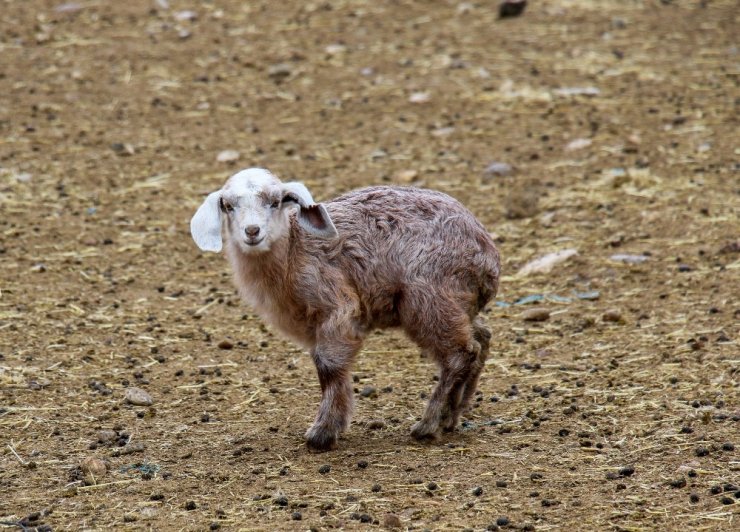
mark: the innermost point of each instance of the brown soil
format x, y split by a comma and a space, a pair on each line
608, 415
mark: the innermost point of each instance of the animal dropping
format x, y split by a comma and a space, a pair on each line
327, 274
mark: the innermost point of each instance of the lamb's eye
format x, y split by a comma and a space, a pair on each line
226, 207
275, 204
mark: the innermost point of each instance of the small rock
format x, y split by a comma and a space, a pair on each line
296, 516
502, 521
185, 15
122, 149
107, 436
375, 424
629, 259
190, 505
627, 471
392, 521
228, 156
431, 486
324, 469
406, 176
226, 344
419, 97
577, 91
369, 391
280, 71
578, 144
477, 491
93, 469
612, 316
498, 169
546, 263
511, 8
138, 397
536, 314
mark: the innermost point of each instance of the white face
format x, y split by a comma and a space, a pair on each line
253, 211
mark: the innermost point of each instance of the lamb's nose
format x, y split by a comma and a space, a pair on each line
252, 230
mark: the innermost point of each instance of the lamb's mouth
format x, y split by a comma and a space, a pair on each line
254, 242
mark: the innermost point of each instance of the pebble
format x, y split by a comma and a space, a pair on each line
392, 521
324, 469
612, 316
375, 424
578, 144
627, 471
93, 469
728, 447
701, 451
362, 464
419, 97
431, 486
226, 344
407, 176
477, 491
297, 516
498, 169
536, 314
511, 8
190, 505
279, 71
502, 521
138, 397
369, 391
228, 156
629, 259
547, 262
107, 436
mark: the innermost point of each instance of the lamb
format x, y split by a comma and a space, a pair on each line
327, 274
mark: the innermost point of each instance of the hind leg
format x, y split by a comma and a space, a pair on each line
441, 327
461, 397
452, 377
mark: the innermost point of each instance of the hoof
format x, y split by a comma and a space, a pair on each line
423, 432
320, 441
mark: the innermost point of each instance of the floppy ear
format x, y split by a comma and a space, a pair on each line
205, 226
297, 193
311, 216
317, 221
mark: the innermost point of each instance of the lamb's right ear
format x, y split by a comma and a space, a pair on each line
205, 226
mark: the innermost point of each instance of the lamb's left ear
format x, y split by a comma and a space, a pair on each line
205, 226
312, 217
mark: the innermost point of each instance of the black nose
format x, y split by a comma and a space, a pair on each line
252, 230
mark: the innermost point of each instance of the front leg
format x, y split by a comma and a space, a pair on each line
333, 356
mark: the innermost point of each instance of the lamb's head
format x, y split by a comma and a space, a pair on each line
253, 209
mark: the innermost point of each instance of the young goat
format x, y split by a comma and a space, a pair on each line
327, 274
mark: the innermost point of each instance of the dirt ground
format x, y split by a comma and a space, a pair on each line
619, 120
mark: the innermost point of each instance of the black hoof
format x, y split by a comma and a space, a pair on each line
321, 442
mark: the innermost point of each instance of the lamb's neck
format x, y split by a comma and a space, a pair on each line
264, 272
